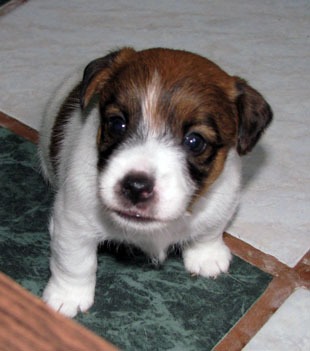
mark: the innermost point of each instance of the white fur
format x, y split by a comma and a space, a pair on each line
82, 217
150, 103
157, 158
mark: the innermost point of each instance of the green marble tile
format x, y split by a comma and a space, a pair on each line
138, 306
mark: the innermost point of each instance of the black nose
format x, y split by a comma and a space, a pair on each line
137, 187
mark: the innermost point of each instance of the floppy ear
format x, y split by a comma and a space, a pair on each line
254, 115
97, 73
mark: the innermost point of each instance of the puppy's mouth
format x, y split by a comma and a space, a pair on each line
135, 216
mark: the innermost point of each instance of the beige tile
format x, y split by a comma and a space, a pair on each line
288, 329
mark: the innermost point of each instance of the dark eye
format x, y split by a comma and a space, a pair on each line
194, 143
117, 126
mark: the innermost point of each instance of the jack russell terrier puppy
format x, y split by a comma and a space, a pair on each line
144, 149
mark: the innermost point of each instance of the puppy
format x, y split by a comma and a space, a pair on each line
144, 149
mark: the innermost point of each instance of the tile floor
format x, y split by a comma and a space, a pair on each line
266, 42
283, 327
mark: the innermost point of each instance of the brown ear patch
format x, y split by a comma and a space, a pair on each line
254, 115
95, 86
98, 72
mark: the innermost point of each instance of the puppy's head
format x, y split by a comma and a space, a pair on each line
168, 119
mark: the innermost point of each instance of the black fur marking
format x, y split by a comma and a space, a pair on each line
211, 157
67, 108
105, 154
187, 126
197, 175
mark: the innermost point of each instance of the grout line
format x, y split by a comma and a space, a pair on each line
19, 128
10, 6
255, 257
302, 269
253, 320
300, 274
285, 280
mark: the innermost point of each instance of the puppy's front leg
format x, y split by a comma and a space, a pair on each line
207, 257
73, 264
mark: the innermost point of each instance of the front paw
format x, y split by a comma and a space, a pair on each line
69, 300
208, 259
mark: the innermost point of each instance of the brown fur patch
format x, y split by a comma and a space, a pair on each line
99, 135
99, 71
179, 93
